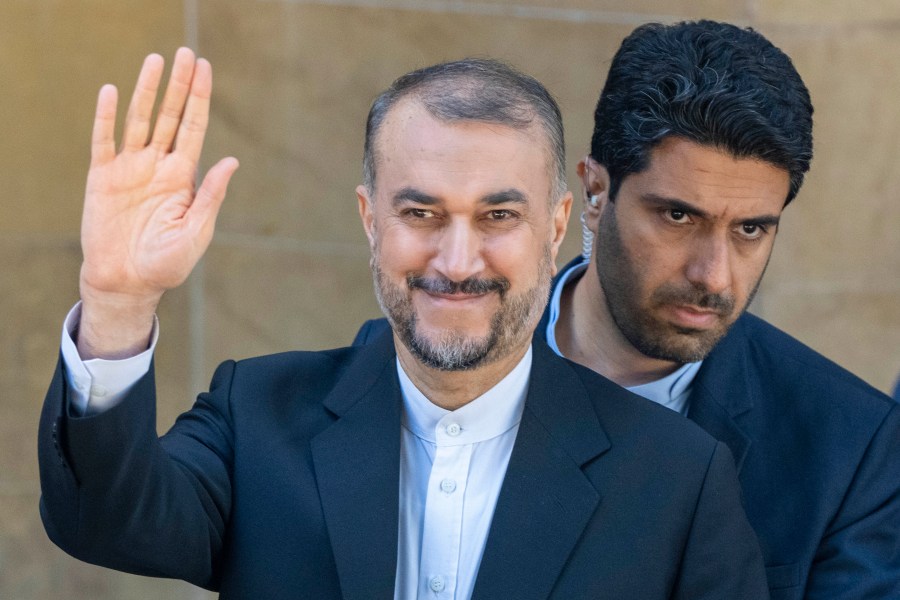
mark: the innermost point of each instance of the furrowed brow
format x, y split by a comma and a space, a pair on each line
763, 220
674, 204
688, 208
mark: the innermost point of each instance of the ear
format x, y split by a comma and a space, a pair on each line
595, 182
560, 215
366, 213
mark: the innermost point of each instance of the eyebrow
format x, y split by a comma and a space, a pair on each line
511, 195
409, 194
686, 207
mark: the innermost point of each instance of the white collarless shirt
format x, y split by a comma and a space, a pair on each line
452, 466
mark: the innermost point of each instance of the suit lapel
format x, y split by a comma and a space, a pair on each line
357, 465
724, 391
546, 500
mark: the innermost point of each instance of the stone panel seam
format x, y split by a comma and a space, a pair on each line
287, 244
547, 13
195, 284
191, 25
825, 30
197, 329
752, 9
20, 488
42, 239
834, 287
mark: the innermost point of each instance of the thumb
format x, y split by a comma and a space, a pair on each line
208, 199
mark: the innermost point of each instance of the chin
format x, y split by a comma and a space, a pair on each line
437, 334
688, 346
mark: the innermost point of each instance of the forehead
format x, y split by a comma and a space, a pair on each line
711, 179
461, 158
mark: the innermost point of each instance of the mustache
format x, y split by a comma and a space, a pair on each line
720, 303
469, 285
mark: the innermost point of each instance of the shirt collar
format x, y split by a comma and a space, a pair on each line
568, 275
672, 391
493, 413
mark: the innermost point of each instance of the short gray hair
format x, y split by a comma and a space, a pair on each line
474, 89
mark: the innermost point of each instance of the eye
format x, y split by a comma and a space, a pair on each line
500, 214
752, 231
419, 213
676, 215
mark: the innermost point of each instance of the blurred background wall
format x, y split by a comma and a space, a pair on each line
288, 267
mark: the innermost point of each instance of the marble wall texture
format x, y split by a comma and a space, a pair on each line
288, 266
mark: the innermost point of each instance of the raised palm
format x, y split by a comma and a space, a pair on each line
144, 226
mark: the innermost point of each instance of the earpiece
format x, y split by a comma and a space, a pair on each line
587, 238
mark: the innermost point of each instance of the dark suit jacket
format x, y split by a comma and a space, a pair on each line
282, 482
818, 456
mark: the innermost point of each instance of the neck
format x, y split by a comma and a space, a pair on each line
453, 389
587, 334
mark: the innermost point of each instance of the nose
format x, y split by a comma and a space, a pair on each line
709, 266
459, 252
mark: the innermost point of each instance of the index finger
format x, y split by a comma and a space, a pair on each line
103, 141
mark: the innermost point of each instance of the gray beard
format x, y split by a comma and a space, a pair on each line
452, 350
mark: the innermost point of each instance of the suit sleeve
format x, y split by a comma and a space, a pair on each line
859, 557
114, 494
722, 558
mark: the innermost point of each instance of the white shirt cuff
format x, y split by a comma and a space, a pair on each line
97, 384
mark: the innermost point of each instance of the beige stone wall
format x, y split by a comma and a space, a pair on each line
288, 267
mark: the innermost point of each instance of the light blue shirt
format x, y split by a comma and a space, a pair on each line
672, 391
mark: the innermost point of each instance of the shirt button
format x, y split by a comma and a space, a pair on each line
453, 429
98, 391
436, 584
448, 486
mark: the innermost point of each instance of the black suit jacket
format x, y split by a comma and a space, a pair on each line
282, 482
818, 457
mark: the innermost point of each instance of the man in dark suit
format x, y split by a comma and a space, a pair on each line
702, 135
449, 458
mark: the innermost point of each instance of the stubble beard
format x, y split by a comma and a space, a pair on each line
453, 350
620, 278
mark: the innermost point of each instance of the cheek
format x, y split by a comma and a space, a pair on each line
403, 250
662, 263
657, 245
515, 255
748, 274
651, 247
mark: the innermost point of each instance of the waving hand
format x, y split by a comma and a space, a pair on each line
145, 226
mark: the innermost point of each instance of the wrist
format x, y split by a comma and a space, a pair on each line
114, 326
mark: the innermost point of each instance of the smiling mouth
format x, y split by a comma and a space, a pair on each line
441, 287
455, 297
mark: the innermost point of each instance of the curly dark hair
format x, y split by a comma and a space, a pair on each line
711, 83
